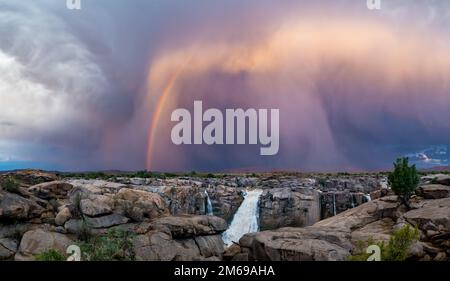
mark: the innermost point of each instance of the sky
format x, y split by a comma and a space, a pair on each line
94, 89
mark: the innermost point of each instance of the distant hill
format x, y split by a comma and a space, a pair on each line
438, 169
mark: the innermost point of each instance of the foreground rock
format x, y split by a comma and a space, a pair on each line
433, 215
51, 190
38, 241
186, 238
335, 238
8, 247
434, 191
48, 215
15, 207
140, 205
32, 177
442, 179
297, 244
166, 217
190, 226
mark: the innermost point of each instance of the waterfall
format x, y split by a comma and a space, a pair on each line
334, 204
353, 200
367, 197
209, 207
245, 220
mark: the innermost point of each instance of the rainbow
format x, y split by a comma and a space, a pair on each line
158, 111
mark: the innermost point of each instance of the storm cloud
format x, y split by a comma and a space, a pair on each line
93, 89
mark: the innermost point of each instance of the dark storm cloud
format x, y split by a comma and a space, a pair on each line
75, 84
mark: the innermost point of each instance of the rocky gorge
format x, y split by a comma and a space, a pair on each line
186, 217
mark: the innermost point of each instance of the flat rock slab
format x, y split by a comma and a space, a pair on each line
15, 207
380, 230
8, 247
298, 244
362, 215
159, 246
190, 226
106, 221
51, 190
434, 191
442, 179
436, 212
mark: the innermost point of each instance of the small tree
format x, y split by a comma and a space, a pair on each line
404, 180
395, 250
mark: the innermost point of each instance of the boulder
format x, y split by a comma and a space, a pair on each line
441, 256
430, 249
51, 190
74, 226
82, 192
364, 214
32, 177
298, 244
96, 223
94, 186
442, 179
63, 216
96, 205
282, 207
35, 242
377, 194
159, 246
416, 250
139, 205
210, 246
15, 231
434, 191
185, 200
154, 246
8, 248
190, 226
434, 212
188, 250
15, 207
106, 221
231, 252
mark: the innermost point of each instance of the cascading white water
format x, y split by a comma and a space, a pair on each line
245, 220
384, 183
353, 201
334, 204
368, 198
209, 207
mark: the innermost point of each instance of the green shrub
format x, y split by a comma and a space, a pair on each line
50, 255
10, 185
360, 251
395, 250
116, 245
404, 180
76, 210
170, 175
399, 244
84, 232
143, 174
